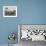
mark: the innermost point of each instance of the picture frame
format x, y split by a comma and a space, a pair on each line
9, 11
39, 28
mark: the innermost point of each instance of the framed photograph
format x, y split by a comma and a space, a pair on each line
9, 11
33, 32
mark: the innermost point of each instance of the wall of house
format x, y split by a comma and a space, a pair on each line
28, 12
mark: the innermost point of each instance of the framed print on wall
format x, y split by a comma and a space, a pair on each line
33, 32
9, 11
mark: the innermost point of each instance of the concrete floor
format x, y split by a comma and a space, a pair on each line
28, 43
7, 45
32, 43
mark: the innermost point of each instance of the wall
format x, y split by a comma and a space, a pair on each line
7, 25
29, 12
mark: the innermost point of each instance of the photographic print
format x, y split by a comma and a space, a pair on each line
31, 33
9, 11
